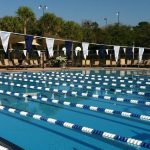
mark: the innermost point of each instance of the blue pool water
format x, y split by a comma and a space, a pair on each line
32, 134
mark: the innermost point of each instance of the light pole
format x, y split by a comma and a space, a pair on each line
118, 14
43, 7
105, 21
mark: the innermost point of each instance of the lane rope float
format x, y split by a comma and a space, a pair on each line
82, 129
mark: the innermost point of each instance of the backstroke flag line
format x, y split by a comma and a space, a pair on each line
116, 49
5, 39
50, 45
141, 51
85, 46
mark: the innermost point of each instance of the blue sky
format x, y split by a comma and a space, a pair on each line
131, 11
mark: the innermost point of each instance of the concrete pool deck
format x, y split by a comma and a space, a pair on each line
71, 68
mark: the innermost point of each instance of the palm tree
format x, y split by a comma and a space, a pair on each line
47, 23
58, 24
72, 30
26, 17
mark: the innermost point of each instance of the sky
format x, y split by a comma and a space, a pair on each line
131, 12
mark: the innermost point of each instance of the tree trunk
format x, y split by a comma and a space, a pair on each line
25, 27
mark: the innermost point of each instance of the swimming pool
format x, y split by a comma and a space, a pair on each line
76, 110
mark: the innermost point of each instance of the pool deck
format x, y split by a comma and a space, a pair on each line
72, 68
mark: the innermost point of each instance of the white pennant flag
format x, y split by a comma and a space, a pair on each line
5, 39
51, 53
39, 52
25, 52
85, 46
141, 51
97, 52
116, 49
50, 45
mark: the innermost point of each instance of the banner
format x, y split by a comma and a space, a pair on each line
28, 42
85, 46
102, 53
68, 45
129, 53
50, 45
5, 39
25, 52
116, 49
141, 51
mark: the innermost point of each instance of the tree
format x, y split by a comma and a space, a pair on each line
50, 24
119, 34
10, 23
58, 24
26, 17
72, 30
90, 31
142, 34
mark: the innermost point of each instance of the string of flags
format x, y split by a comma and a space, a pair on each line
5, 36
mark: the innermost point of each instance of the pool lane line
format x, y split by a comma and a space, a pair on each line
48, 74
112, 89
76, 127
46, 100
89, 87
73, 78
76, 93
121, 84
86, 78
81, 81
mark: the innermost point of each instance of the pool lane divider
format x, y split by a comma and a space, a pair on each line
76, 127
64, 74
87, 87
82, 94
121, 80
46, 100
91, 78
104, 83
